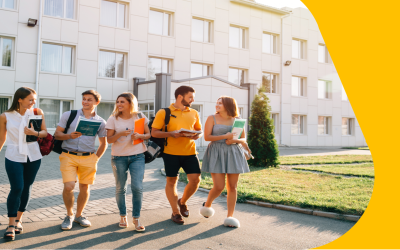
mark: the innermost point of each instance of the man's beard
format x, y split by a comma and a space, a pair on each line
186, 104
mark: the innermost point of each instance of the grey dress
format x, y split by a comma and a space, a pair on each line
221, 158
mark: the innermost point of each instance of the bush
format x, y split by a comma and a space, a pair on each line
261, 137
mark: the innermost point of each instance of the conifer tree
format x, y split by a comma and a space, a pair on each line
261, 137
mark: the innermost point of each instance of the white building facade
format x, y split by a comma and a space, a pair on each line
220, 47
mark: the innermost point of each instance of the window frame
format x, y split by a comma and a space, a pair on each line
277, 82
73, 58
116, 69
302, 87
210, 28
327, 126
350, 126
61, 106
4, 8
242, 37
276, 122
64, 11
274, 39
239, 77
169, 64
148, 111
327, 90
12, 52
327, 56
9, 98
170, 22
302, 49
202, 70
301, 127
126, 17
104, 102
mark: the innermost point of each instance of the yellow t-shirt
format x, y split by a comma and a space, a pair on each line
187, 119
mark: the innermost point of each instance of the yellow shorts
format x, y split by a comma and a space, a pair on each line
84, 167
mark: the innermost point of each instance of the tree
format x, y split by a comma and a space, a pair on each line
261, 137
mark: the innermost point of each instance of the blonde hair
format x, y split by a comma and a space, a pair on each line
132, 101
230, 106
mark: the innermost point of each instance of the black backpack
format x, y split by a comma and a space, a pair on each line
155, 146
57, 143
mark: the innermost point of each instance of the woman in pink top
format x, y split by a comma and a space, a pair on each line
127, 157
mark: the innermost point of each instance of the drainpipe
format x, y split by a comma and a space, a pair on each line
38, 49
281, 118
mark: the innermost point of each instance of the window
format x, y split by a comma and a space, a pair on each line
269, 81
241, 113
323, 54
7, 4
59, 8
6, 48
298, 48
147, 109
105, 109
201, 30
199, 70
344, 95
111, 64
298, 122
57, 58
4, 104
157, 65
236, 76
53, 109
160, 23
324, 89
275, 120
298, 86
113, 14
347, 126
237, 37
269, 43
324, 125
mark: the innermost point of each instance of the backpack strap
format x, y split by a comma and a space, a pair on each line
70, 119
166, 122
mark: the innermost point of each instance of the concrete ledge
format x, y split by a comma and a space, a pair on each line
294, 209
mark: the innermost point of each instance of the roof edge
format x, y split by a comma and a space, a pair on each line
261, 6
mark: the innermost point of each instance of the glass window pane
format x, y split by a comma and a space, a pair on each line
295, 124
151, 106
321, 53
321, 89
69, 11
121, 15
301, 124
327, 125
142, 106
327, 90
51, 110
197, 30
241, 74
104, 110
3, 105
344, 95
165, 66
120, 65
66, 106
108, 13
207, 29
107, 64
155, 22
9, 4
6, 52
234, 37
154, 67
196, 70
320, 125
54, 8
295, 86
301, 49
274, 84
167, 18
301, 87
344, 126
274, 44
67, 60
233, 76
295, 49
266, 82
51, 57
242, 38
206, 70
267, 43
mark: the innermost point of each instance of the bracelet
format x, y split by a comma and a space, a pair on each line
70, 136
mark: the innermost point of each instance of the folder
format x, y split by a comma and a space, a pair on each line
139, 128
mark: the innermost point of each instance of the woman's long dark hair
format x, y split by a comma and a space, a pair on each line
21, 93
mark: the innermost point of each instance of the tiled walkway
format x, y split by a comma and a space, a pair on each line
46, 200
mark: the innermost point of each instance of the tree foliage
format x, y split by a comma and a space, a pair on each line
261, 137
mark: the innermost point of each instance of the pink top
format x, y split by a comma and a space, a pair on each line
124, 145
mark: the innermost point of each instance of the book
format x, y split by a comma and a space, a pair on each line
87, 127
187, 132
139, 128
36, 121
238, 127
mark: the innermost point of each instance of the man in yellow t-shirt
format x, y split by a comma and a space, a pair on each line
180, 151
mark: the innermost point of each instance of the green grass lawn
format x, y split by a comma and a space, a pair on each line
361, 170
360, 148
325, 159
302, 189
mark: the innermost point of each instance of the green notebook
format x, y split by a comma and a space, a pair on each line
238, 127
87, 127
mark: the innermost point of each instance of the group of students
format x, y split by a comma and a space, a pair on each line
78, 161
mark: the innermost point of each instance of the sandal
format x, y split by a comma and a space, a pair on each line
137, 228
18, 230
231, 222
125, 223
9, 235
207, 212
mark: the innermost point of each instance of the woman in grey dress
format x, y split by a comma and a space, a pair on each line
224, 156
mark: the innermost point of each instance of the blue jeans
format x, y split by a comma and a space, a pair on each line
21, 177
135, 165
